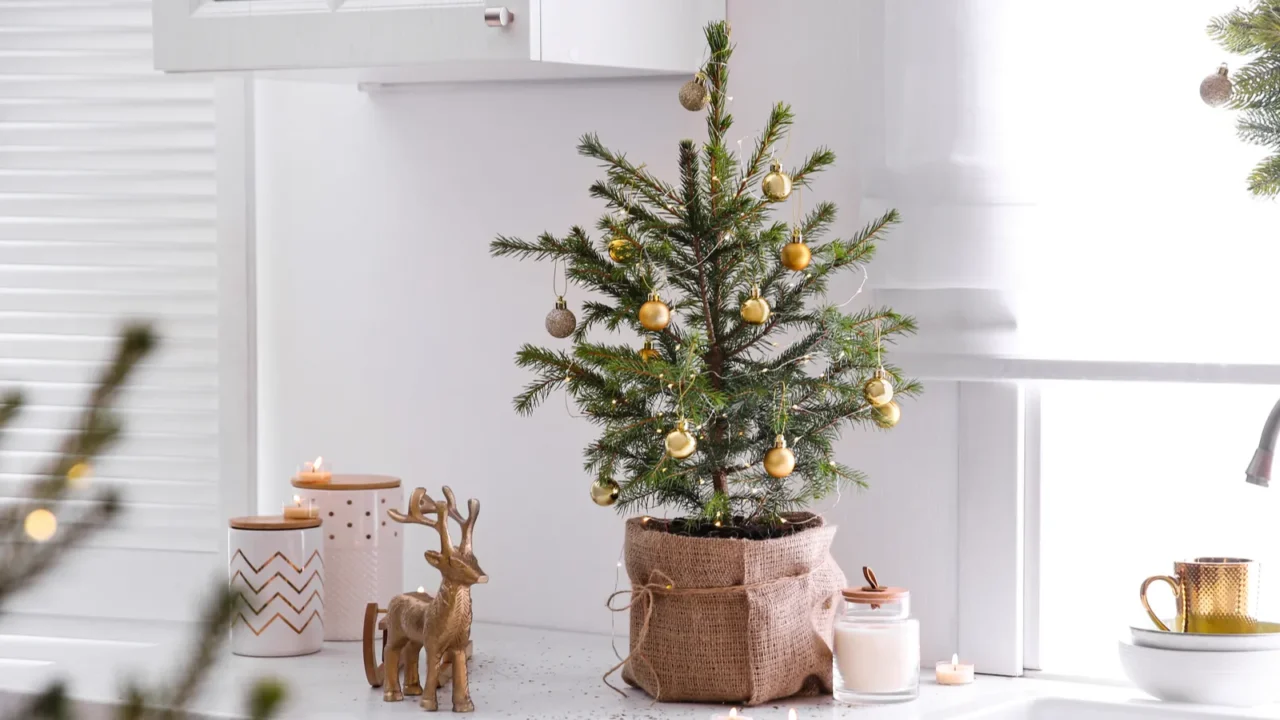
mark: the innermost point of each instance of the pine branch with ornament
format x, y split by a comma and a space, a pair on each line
729, 406
1254, 88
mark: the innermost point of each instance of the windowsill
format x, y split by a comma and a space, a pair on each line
517, 673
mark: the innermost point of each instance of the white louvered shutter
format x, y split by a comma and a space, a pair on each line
107, 212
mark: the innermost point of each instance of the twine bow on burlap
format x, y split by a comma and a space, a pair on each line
661, 584
658, 581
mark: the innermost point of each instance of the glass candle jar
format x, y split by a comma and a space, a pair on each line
877, 647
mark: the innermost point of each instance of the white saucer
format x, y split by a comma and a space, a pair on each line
1240, 679
1152, 638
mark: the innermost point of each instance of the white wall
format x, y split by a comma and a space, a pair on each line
387, 333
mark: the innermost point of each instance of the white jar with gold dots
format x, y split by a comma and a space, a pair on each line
364, 549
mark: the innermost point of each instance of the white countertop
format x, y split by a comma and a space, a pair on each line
516, 673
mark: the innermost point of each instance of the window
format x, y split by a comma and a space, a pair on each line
1132, 477
107, 212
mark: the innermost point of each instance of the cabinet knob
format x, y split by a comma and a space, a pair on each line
497, 17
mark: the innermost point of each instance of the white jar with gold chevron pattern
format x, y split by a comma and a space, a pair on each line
277, 565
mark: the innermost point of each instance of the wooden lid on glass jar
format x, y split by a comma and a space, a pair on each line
875, 596
272, 522
350, 482
874, 593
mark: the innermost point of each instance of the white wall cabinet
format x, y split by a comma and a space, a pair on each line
393, 41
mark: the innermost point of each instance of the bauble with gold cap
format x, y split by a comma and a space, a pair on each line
654, 314
694, 95
879, 389
648, 352
755, 309
887, 415
795, 254
622, 250
776, 184
605, 492
680, 442
779, 462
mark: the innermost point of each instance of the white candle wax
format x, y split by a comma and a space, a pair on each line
954, 672
878, 658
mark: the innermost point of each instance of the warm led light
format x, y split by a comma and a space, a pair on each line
78, 474
40, 524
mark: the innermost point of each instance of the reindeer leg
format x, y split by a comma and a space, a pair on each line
428, 701
391, 665
411, 676
461, 690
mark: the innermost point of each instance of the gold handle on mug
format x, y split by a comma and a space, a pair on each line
1177, 597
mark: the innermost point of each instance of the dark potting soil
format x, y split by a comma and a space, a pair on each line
738, 528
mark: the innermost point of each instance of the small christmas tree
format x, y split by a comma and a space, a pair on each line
1254, 88
731, 408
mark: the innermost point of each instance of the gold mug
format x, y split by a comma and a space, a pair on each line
1213, 595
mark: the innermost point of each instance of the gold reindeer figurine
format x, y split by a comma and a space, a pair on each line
441, 624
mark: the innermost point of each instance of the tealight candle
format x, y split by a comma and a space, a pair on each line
733, 715
297, 512
314, 472
954, 672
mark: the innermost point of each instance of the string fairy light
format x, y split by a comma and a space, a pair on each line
40, 524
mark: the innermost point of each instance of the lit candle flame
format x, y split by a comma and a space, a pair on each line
421, 589
733, 712
955, 661
791, 714
315, 466
297, 501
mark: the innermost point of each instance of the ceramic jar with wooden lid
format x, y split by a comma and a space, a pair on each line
364, 549
277, 565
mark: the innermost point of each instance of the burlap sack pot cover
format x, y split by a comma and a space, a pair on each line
743, 621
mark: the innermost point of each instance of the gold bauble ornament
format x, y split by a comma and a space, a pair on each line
654, 314
1215, 90
622, 250
694, 95
776, 184
561, 321
779, 461
879, 389
648, 353
795, 254
605, 493
887, 415
680, 442
755, 309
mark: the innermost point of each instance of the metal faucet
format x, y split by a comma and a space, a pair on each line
1259, 472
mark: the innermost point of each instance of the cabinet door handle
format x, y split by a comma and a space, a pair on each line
498, 17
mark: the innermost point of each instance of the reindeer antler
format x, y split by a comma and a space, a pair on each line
420, 502
468, 524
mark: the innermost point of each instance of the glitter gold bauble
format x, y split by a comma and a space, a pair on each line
879, 389
622, 250
40, 524
654, 314
776, 184
605, 493
694, 95
755, 309
887, 415
779, 461
561, 321
648, 353
1215, 90
680, 442
795, 254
